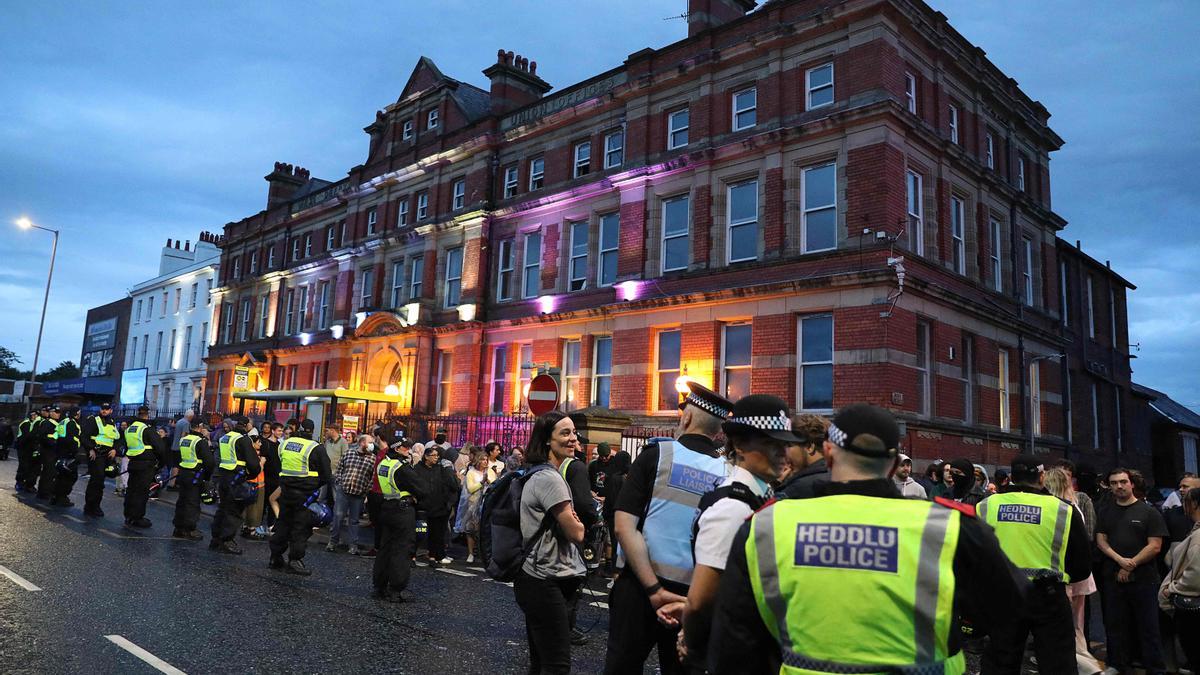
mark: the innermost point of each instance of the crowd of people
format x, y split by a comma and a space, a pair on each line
733, 546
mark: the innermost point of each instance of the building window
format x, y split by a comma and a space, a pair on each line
1021, 173
254, 263
910, 93
194, 295
407, 132
745, 106
1002, 385
537, 173
1035, 398
307, 245
366, 292
531, 270
677, 129
676, 227
504, 277
958, 234
916, 213
296, 248
1095, 416
820, 86
422, 205
583, 159
330, 241
602, 371
968, 378
997, 258
453, 291
342, 231
271, 256
510, 182
149, 307
264, 314
187, 346
570, 374
989, 150
614, 149
735, 360
163, 311
1090, 289
954, 124
1112, 316
138, 315
742, 231
402, 215
499, 369
289, 313
815, 377
1063, 295
445, 375
178, 299
397, 283
146, 347
237, 268
1117, 422
924, 368
229, 310
820, 208
302, 308
431, 120
579, 256
1068, 399
171, 365
372, 221
1027, 272
667, 368
526, 369
460, 194
323, 306
132, 354
415, 276
606, 272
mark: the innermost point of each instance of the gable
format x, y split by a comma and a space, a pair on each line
425, 76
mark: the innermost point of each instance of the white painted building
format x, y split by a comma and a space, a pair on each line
169, 323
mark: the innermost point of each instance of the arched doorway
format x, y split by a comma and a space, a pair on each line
392, 367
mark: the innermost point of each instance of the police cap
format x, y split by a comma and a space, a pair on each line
762, 415
865, 430
1026, 466
707, 400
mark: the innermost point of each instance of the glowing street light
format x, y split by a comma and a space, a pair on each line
26, 224
392, 390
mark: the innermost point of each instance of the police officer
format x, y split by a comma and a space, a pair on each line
303, 469
67, 450
45, 435
653, 520
858, 579
143, 448
26, 446
397, 523
238, 462
196, 464
1045, 538
98, 437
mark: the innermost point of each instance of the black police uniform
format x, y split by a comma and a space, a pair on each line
189, 482
97, 466
398, 533
67, 448
26, 445
228, 519
295, 522
142, 469
47, 473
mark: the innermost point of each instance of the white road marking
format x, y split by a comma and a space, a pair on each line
158, 664
74, 519
18, 579
591, 592
601, 605
457, 573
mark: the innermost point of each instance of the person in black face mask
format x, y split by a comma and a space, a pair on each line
962, 487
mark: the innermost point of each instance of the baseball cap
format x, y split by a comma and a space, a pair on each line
308, 425
106, 406
865, 430
240, 419
905, 458
1026, 465
763, 415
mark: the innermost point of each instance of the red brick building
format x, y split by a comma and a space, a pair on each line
828, 202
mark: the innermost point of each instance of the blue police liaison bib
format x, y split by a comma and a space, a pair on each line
691, 479
1019, 513
836, 545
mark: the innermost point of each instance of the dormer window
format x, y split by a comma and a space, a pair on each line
407, 130
431, 121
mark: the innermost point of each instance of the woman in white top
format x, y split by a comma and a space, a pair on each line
473, 484
1058, 483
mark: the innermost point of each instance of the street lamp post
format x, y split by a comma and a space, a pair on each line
25, 224
1033, 412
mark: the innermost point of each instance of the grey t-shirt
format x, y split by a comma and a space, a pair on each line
552, 555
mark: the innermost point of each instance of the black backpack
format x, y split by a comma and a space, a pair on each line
501, 546
738, 491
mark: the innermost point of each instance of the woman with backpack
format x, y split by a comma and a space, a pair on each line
551, 572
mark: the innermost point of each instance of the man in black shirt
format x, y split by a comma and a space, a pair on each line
1130, 533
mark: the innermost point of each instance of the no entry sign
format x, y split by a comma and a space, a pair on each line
543, 394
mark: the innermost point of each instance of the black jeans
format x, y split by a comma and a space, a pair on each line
1047, 616
374, 504
141, 476
1131, 613
95, 485
228, 519
293, 527
631, 639
1187, 627
397, 524
187, 502
547, 605
436, 537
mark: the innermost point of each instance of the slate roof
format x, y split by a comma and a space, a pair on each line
1170, 409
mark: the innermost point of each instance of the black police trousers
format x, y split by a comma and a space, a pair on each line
631, 639
95, 485
293, 527
228, 519
28, 466
137, 493
1047, 615
48, 474
397, 525
64, 482
187, 500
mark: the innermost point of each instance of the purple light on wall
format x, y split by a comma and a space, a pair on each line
629, 290
547, 304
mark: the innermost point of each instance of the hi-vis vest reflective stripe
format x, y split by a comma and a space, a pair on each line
52, 432
25, 427
229, 458
683, 477
133, 439
106, 433
187, 452
893, 557
1033, 530
293, 458
386, 475
562, 468
60, 430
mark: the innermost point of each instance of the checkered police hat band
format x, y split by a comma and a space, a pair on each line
765, 422
837, 436
707, 406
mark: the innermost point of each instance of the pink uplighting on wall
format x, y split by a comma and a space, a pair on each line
629, 290
547, 304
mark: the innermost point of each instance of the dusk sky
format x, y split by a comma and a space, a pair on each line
124, 124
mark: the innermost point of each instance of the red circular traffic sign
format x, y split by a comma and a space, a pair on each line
543, 394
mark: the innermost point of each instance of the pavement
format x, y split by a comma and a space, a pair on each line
81, 594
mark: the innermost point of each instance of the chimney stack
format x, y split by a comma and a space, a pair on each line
515, 82
705, 14
283, 182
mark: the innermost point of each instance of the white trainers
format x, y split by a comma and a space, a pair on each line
446, 561
470, 558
